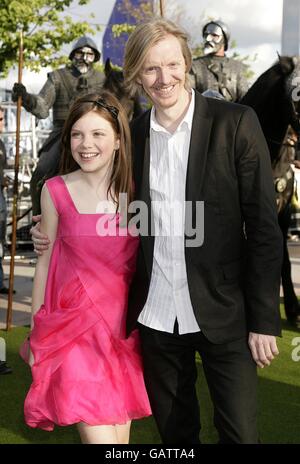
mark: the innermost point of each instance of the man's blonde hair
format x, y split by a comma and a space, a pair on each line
142, 39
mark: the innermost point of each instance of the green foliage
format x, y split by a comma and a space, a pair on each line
46, 27
119, 29
140, 14
247, 60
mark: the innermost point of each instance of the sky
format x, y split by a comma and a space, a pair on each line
255, 25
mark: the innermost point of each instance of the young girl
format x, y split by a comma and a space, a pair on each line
84, 370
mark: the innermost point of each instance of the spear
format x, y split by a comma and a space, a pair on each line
15, 192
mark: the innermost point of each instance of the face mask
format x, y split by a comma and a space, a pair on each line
83, 59
213, 39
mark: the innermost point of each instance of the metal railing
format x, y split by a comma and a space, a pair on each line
33, 134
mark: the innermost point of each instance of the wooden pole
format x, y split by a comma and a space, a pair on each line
15, 192
162, 8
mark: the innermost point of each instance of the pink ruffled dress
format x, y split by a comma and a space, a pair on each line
85, 369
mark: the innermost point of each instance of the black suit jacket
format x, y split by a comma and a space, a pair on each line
234, 276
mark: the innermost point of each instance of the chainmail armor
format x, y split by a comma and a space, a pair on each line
225, 75
61, 89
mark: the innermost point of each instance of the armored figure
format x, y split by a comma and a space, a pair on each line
214, 71
61, 89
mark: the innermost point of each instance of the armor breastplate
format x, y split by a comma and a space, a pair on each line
70, 86
218, 73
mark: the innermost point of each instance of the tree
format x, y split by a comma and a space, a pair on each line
46, 27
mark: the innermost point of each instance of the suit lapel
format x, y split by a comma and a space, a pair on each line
143, 180
200, 136
147, 242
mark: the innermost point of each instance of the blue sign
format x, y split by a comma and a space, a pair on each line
113, 47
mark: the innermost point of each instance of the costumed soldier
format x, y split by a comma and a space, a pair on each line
214, 71
62, 87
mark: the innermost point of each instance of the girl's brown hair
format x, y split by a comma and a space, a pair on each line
108, 107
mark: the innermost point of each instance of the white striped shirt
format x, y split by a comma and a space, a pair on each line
168, 296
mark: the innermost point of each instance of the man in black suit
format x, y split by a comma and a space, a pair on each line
221, 297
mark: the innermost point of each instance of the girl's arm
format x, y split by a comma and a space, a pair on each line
49, 223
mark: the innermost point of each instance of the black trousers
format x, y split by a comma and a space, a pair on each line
170, 376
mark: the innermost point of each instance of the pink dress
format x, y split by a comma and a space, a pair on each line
85, 370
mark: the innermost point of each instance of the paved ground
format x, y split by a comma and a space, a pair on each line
24, 271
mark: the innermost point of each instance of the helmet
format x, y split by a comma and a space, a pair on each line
223, 26
85, 41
